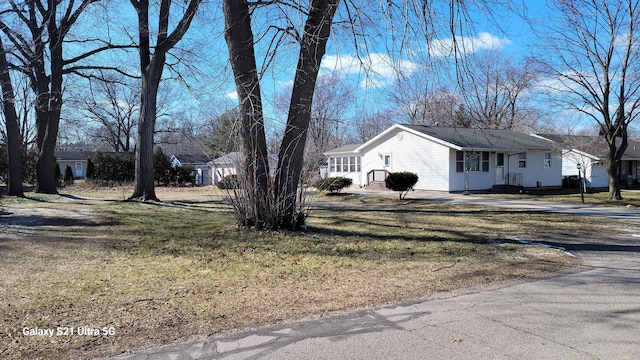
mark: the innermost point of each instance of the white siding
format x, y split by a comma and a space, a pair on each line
77, 172
478, 180
596, 174
412, 153
535, 173
220, 172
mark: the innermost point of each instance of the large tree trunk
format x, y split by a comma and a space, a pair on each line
145, 170
614, 158
256, 209
151, 67
614, 180
290, 159
14, 141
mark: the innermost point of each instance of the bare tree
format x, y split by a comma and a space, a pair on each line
332, 99
494, 91
256, 208
152, 63
111, 104
490, 93
278, 210
281, 208
596, 69
14, 145
368, 125
38, 31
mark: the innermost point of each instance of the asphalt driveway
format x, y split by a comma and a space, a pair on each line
593, 313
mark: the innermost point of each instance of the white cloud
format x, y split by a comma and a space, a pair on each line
378, 70
466, 45
233, 95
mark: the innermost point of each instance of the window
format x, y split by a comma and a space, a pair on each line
500, 159
547, 160
387, 160
344, 164
485, 161
459, 161
522, 160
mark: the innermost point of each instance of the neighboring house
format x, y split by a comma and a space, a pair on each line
77, 160
590, 153
451, 159
201, 164
228, 164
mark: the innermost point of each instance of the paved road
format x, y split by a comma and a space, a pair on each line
592, 314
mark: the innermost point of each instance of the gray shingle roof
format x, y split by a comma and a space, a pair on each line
230, 158
193, 158
343, 149
483, 138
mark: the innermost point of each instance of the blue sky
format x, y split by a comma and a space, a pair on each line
374, 71
370, 73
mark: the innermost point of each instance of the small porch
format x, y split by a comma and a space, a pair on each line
376, 178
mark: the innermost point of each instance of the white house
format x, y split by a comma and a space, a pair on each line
228, 164
589, 152
199, 162
451, 159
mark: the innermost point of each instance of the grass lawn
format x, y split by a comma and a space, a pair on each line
146, 275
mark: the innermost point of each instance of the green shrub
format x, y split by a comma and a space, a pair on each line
333, 184
401, 182
68, 175
91, 169
229, 182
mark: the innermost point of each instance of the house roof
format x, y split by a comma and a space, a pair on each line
226, 159
343, 149
73, 155
593, 146
185, 159
471, 139
65, 155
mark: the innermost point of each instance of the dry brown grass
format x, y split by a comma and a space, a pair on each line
159, 273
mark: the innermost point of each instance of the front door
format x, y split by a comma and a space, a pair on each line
500, 169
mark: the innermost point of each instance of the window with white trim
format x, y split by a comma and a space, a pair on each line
459, 161
547, 160
485, 161
522, 160
344, 164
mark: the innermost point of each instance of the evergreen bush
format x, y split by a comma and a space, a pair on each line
401, 182
333, 184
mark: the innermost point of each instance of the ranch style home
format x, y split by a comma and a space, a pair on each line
450, 159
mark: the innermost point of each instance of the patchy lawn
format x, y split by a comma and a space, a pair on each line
107, 276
